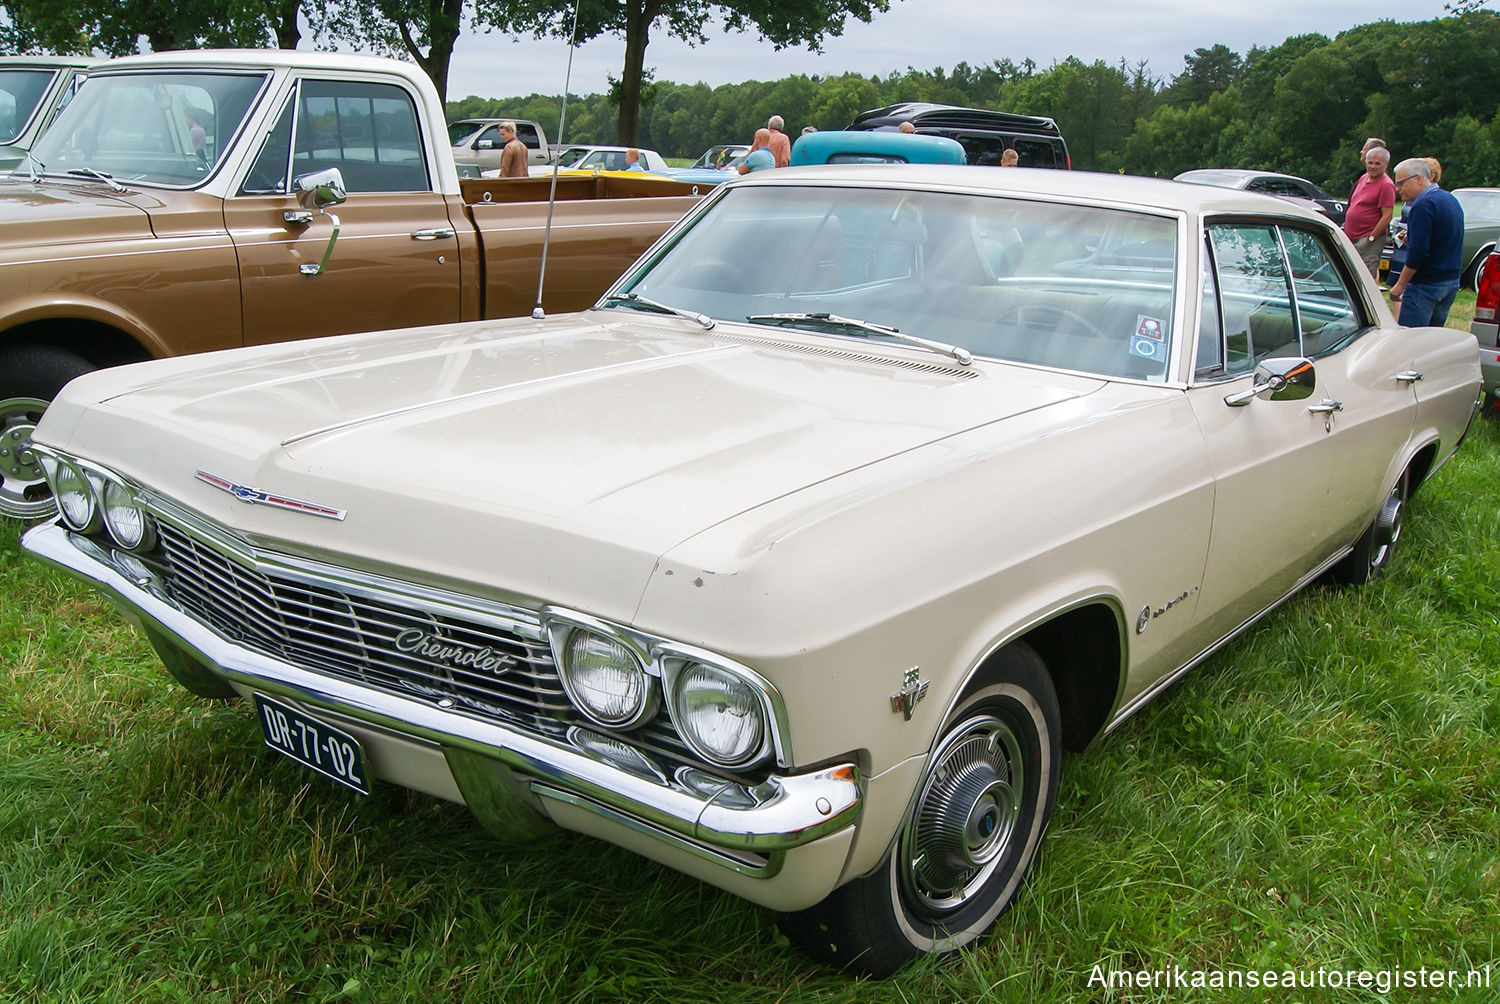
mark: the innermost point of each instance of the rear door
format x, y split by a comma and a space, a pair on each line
396, 260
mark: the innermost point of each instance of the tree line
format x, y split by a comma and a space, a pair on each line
1303, 107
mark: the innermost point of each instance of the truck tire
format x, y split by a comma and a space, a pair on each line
30, 377
970, 835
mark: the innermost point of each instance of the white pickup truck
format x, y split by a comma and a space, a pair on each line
477, 144
33, 89
181, 202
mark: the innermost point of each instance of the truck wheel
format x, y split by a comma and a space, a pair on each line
30, 377
970, 834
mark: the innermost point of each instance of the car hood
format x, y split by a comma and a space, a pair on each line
584, 439
49, 213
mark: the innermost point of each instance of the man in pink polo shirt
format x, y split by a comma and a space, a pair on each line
1370, 204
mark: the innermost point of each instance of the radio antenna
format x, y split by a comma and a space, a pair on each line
537, 313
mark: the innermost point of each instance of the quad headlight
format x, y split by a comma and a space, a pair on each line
89, 497
719, 714
125, 519
604, 674
75, 495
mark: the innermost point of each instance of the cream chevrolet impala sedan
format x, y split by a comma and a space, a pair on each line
797, 561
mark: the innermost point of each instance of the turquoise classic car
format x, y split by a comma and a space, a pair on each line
874, 147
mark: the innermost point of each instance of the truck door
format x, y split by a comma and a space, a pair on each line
396, 261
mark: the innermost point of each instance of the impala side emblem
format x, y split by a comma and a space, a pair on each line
912, 691
254, 496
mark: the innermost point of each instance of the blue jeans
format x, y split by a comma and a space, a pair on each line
1426, 303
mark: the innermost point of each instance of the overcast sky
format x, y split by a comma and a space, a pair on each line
927, 34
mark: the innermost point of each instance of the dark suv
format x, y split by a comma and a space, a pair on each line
985, 135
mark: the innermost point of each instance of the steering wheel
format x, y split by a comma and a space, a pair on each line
1019, 312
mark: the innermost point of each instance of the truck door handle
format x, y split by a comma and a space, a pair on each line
435, 234
1408, 376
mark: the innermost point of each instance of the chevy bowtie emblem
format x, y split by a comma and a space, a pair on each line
254, 496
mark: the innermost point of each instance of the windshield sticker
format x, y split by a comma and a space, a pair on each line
1150, 338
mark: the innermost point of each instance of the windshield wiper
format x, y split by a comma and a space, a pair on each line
89, 172
963, 355
634, 300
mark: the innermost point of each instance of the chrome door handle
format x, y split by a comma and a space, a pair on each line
435, 234
1408, 376
1326, 408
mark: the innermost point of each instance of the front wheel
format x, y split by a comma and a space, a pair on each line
30, 376
969, 836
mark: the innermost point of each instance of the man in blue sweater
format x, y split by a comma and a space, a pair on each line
1434, 248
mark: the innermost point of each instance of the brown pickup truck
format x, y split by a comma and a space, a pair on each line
183, 202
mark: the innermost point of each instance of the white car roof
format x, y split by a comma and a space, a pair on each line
1123, 189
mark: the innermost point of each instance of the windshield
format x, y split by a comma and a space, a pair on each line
458, 132
1074, 287
1479, 205
21, 91
159, 127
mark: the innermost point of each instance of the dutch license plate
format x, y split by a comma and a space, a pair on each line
329, 751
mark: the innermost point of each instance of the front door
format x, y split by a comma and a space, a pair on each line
396, 260
1295, 480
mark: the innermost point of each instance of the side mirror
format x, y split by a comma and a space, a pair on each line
485, 144
1290, 379
316, 192
320, 189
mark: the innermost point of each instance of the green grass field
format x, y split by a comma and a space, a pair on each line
1320, 795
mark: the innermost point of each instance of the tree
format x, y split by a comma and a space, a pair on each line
422, 30
116, 26
1208, 71
783, 23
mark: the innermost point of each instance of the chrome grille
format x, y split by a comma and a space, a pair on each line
331, 627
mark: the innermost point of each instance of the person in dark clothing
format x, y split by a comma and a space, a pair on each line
1434, 248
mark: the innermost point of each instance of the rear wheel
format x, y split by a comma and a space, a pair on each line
1372, 552
30, 377
969, 836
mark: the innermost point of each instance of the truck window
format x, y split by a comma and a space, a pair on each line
368, 131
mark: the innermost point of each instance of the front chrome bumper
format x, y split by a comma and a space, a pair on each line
741, 827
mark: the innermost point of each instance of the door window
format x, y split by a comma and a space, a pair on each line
369, 131
1271, 291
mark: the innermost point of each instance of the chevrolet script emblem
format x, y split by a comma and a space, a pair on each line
254, 496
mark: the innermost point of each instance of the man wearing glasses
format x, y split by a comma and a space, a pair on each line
1434, 248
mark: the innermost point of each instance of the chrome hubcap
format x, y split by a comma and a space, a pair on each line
23, 489
965, 816
1387, 528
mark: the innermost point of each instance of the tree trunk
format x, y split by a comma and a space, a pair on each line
638, 19
442, 31
284, 18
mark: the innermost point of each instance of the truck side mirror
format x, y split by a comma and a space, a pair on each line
485, 144
315, 193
